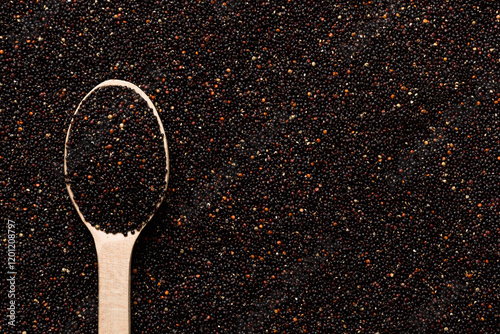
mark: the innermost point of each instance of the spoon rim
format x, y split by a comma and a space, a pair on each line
140, 92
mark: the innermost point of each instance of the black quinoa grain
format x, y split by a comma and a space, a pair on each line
116, 162
334, 164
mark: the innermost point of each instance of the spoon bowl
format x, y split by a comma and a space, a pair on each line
114, 251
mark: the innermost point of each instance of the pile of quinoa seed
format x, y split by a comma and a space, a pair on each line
116, 163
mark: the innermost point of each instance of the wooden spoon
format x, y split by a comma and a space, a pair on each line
114, 251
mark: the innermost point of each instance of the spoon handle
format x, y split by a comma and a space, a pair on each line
114, 257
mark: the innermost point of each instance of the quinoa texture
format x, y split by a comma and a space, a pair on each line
334, 165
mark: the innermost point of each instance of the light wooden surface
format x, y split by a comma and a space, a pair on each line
114, 251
